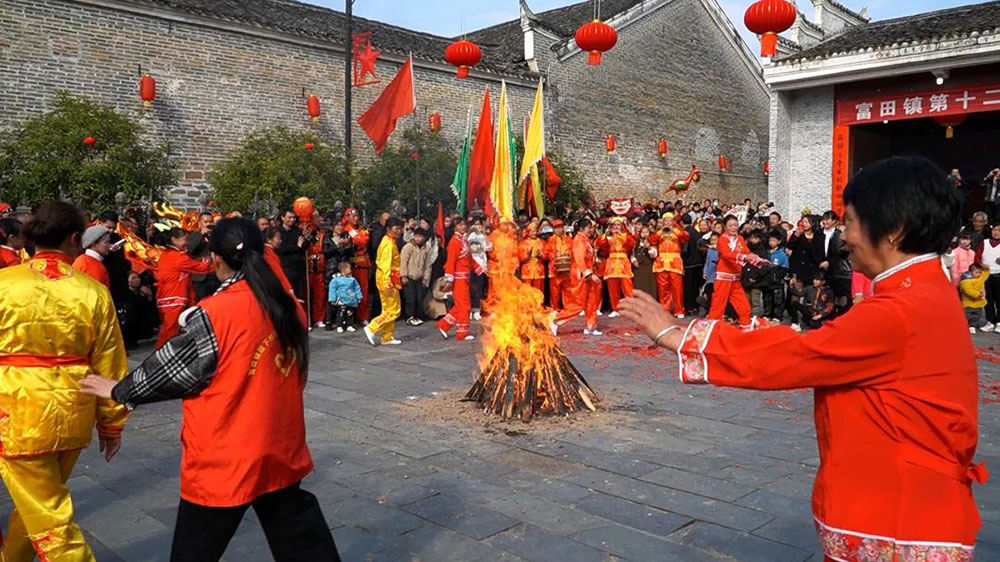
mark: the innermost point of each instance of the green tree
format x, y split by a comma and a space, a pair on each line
275, 166
573, 191
46, 158
417, 173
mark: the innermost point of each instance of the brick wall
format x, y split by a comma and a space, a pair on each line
671, 75
802, 150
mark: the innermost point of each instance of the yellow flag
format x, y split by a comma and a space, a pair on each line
534, 151
502, 185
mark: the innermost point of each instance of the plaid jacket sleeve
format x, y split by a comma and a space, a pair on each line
181, 368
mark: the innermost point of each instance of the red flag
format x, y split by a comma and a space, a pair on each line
394, 102
439, 225
481, 166
552, 179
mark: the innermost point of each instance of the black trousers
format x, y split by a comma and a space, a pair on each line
993, 299
693, 280
842, 294
413, 299
477, 290
291, 518
340, 316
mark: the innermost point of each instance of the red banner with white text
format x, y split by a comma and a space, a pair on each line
859, 109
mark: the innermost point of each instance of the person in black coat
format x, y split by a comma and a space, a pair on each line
693, 256
836, 263
292, 253
806, 250
204, 284
115, 262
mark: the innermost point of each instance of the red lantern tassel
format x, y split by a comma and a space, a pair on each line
769, 44
463, 72
594, 59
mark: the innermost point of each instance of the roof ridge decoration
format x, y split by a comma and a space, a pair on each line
862, 15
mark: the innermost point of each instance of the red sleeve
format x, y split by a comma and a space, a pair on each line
549, 249
979, 252
654, 239
864, 346
190, 265
682, 235
629, 243
454, 248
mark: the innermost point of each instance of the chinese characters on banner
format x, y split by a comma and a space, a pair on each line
913, 105
841, 170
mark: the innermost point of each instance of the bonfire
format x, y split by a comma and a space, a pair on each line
524, 373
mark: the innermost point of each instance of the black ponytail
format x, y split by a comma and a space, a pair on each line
240, 244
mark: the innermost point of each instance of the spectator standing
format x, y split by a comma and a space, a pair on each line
977, 229
711, 262
988, 254
292, 253
117, 265
415, 270
344, 294
205, 284
693, 257
964, 256
836, 263
992, 200
805, 250
96, 242
972, 287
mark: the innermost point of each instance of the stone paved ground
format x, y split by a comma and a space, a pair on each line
669, 472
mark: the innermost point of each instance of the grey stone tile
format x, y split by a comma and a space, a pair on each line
432, 543
634, 515
386, 521
544, 514
633, 545
737, 545
791, 530
620, 463
698, 484
474, 521
779, 504
532, 543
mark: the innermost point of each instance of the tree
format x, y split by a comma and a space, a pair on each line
275, 166
417, 174
47, 158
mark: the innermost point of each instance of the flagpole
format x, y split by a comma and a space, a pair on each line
348, 68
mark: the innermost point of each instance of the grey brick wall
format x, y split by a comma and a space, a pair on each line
802, 150
671, 75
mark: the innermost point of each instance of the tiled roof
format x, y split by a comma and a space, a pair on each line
324, 24
953, 23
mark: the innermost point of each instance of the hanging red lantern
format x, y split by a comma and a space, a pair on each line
147, 90
89, 141
596, 37
303, 208
312, 106
661, 148
767, 167
609, 143
949, 122
414, 156
768, 18
723, 163
463, 54
435, 122
308, 146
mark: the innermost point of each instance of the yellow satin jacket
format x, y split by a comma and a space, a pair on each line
57, 325
387, 264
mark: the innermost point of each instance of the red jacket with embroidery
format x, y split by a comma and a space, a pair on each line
733, 255
173, 278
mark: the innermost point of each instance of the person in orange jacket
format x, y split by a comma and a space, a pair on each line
174, 292
458, 271
558, 252
668, 267
618, 243
733, 255
586, 288
272, 239
96, 242
361, 263
531, 252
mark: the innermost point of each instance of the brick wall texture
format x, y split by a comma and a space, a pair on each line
802, 150
673, 74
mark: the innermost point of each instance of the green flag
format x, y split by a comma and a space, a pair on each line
460, 183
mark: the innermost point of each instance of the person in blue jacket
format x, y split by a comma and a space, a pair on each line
344, 295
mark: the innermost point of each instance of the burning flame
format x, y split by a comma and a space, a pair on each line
523, 370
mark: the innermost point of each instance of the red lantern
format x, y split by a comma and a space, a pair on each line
463, 54
609, 143
303, 207
949, 122
89, 141
147, 90
414, 156
308, 146
768, 18
723, 163
661, 148
435, 122
312, 106
767, 167
596, 37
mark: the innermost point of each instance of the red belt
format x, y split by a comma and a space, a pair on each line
25, 360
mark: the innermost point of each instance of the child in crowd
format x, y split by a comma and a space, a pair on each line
711, 261
344, 295
415, 272
964, 256
973, 291
818, 305
774, 300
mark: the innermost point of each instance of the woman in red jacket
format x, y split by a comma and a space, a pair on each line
239, 363
173, 281
896, 387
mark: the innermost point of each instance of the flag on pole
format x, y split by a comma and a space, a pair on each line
534, 151
504, 160
481, 164
439, 226
395, 101
460, 183
552, 179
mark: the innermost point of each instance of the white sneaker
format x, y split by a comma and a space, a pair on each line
586, 331
796, 327
972, 330
469, 338
680, 317
988, 327
997, 329
594, 332
352, 329
582, 312
340, 329
392, 342
371, 337
417, 322
443, 333
599, 313
477, 316
614, 314
320, 325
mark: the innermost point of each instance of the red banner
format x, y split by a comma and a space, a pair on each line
841, 170
932, 103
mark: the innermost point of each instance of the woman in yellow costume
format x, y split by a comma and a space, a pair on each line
57, 325
388, 282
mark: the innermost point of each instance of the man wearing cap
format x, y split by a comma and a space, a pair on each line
669, 267
96, 243
558, 252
